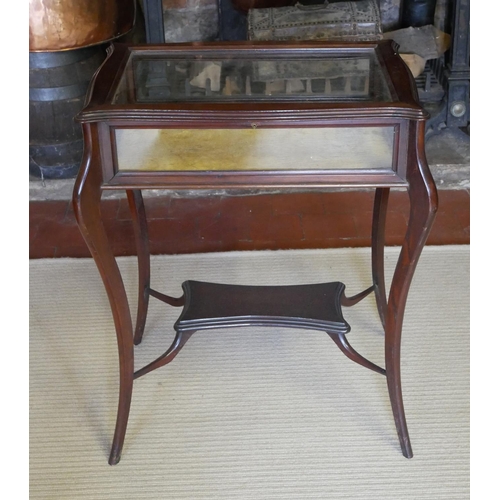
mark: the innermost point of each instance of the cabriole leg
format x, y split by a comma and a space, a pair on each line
378, 244
86, 202
139, 221
423, 206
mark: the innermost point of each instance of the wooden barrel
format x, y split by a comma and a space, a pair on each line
58, 85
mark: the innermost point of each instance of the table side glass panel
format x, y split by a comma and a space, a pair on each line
279, 149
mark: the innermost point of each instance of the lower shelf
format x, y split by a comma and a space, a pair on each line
211, 305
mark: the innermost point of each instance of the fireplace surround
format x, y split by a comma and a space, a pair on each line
443, 87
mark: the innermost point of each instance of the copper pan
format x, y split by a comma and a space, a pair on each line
71, 24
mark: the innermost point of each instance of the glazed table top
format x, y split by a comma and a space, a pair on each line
255, 75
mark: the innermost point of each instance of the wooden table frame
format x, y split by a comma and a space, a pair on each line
411, 170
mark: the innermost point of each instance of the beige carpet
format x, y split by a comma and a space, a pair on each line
249, 413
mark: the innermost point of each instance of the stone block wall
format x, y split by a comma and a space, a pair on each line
190, 20
389, 14
198, 20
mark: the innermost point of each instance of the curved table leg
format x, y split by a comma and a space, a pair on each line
86, 202
139, 221
423, 206
378, 244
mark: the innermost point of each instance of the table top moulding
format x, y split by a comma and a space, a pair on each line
403, 101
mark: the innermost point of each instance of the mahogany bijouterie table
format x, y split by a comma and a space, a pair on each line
254, 116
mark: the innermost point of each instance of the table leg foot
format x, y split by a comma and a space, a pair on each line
114, 457
406, 448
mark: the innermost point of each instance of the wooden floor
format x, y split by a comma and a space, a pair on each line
222, 223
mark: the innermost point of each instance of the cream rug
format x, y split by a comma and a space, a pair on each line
249, 413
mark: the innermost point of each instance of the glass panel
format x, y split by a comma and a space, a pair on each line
342, 148
194, 77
